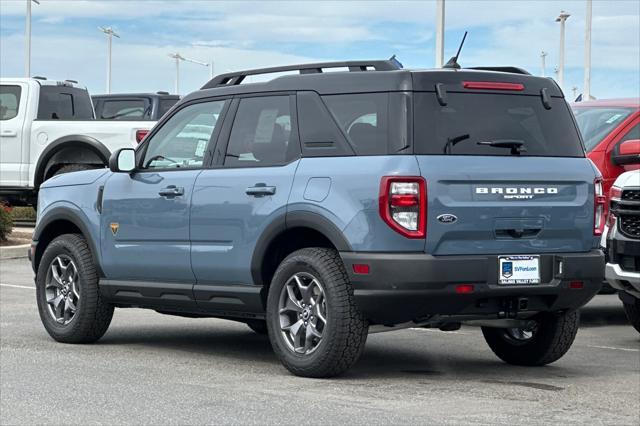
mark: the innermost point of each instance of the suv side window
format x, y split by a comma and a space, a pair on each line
181, 142
9, 101
364, 119
261, 133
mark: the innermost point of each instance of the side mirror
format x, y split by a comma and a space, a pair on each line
123, 160
628, 152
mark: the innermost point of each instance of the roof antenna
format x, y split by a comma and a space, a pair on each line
453, 62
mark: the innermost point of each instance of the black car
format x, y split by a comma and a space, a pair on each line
133, 106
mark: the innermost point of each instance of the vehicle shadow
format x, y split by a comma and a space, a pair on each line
598, 315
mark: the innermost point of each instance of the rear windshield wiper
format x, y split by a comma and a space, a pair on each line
516, 145
451, 142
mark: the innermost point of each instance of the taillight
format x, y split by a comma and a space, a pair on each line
141, 134
599, 207
403, 205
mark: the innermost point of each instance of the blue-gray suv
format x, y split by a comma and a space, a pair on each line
320, 206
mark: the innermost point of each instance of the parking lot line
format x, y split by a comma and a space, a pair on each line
616, 349
17, 286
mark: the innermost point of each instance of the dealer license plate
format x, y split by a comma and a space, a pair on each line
519, 270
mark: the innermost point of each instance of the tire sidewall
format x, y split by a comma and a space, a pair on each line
63, 246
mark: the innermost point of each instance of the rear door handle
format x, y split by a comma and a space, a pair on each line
171, 191
9, 133
260, 190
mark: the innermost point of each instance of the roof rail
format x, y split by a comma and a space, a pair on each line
513, 70
162, 92
38, 77
72, 81
235, 78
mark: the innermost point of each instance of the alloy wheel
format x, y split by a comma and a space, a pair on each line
62, 291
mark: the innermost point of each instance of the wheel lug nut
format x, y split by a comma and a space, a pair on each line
305, 323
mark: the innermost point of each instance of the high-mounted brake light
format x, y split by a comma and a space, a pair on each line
403, 204
492, 85
599, 207
141, 134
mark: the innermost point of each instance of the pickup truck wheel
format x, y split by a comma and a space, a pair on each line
633, 313
69, 302
258, 326
315, 327
68, 168
547, 340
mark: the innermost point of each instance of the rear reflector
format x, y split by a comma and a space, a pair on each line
576, 285
361, 268
464, 288
491, 85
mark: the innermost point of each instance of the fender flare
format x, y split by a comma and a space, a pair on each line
67, 142
294, 219
63, 212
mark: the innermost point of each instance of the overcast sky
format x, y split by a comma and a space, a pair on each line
235, 35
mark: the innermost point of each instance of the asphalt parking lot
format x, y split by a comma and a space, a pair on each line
151, 368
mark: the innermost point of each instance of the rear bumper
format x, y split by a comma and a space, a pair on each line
403, 287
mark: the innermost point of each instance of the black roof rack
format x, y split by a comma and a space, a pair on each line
235, 78
513, 70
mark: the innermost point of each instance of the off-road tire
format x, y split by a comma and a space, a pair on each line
346, 331
93, 314
258, 326
633, 313
554, 336
68, 168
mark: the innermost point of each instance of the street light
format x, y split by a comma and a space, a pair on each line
110, 34
543, 57
586, 87
562, 18
439, 33
27, 59
178, 57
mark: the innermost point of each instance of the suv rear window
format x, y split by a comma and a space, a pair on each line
492, 117
165, 105
124, 109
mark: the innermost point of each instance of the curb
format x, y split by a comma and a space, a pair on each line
14, 252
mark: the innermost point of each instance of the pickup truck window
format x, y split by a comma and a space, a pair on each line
596, 123
130, 109
64, 103
181, 142
9, 101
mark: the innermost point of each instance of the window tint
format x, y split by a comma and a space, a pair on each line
182, 141
165, 105
9, 101
132, 109
364, 119
64, 103
596, 123
633, 134
261, 133
492, 117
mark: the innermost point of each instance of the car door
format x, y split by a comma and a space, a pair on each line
244, 194
13, 170
145, 214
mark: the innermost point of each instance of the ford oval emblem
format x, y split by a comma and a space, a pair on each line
447, 218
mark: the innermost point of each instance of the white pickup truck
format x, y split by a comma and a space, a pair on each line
48, 128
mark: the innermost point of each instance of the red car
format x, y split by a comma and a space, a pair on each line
611, 132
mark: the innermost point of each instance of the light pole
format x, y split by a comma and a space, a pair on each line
178, 57
562, 18
110, 34
439, 33
586, 86
543, 58
27, 48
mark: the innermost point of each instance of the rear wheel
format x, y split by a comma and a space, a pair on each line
315, 328
68, 168
633, 313
546, 340
69, 301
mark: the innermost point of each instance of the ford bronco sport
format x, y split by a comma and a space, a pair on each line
320, 206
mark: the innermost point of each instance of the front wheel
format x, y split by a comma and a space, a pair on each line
315, 327
632, 310
546, 340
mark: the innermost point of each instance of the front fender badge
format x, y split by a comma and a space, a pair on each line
114, 228
447, 218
